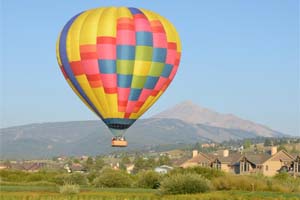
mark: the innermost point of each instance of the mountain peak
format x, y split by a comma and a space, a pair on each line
190, 112
187, 103
186, 111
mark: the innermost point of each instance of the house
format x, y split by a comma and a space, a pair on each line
207, 145
129, 168
84, 158
4, 166
75, 167
163, 169
28, 166
61, 158
224, 161
115, 165
276, 162
267, 163
198, 159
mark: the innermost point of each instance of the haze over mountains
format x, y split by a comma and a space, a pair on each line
184, 123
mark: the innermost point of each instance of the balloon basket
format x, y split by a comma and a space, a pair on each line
119, 143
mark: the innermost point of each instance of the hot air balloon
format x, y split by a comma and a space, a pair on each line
118, 61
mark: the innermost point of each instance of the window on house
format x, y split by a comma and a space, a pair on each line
267, 167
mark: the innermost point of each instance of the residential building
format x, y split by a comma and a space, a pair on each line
163, 169
268, 163
208, 145
27, 166
129, 168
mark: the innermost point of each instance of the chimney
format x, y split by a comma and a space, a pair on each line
226, 153
195, 153
273, 150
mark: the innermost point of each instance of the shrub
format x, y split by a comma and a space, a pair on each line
287, 181
184, 184
92, 176
35, 177
75, 178
69, 189
282, 176
279, 183
13, 175
208, 173
148, 179
113, 178
20, 176
233, 182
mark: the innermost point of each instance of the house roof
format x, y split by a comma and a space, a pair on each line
77, 167
165, 167
179, 161
295, 155
203, 157
234, 157
260, 158
27, 166
231, 158
257, 158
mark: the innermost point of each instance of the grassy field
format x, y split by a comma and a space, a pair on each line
51, 193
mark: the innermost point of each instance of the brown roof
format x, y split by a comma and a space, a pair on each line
295, 155
77, 167
27, 166
231, 158
260, 158
234, 157
200, 157
179, 161
257, 158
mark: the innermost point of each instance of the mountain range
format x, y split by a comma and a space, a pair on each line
185, 123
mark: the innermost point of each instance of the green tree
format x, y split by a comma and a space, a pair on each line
143, 164
99, 163
150, 163
164, 160
281, 147
74, 178
149, 179
197, 146
92, 176
294, 150
268, 142
89, 164
184, 184
247, 144
70, 162
113, 178
125, 160
75, 160
138, 164
55, 158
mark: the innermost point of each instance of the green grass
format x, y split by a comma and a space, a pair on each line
28, 188
18, 188
88, 193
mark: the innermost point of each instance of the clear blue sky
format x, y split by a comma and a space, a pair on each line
239, 57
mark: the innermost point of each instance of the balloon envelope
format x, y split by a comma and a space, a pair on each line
119, 61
